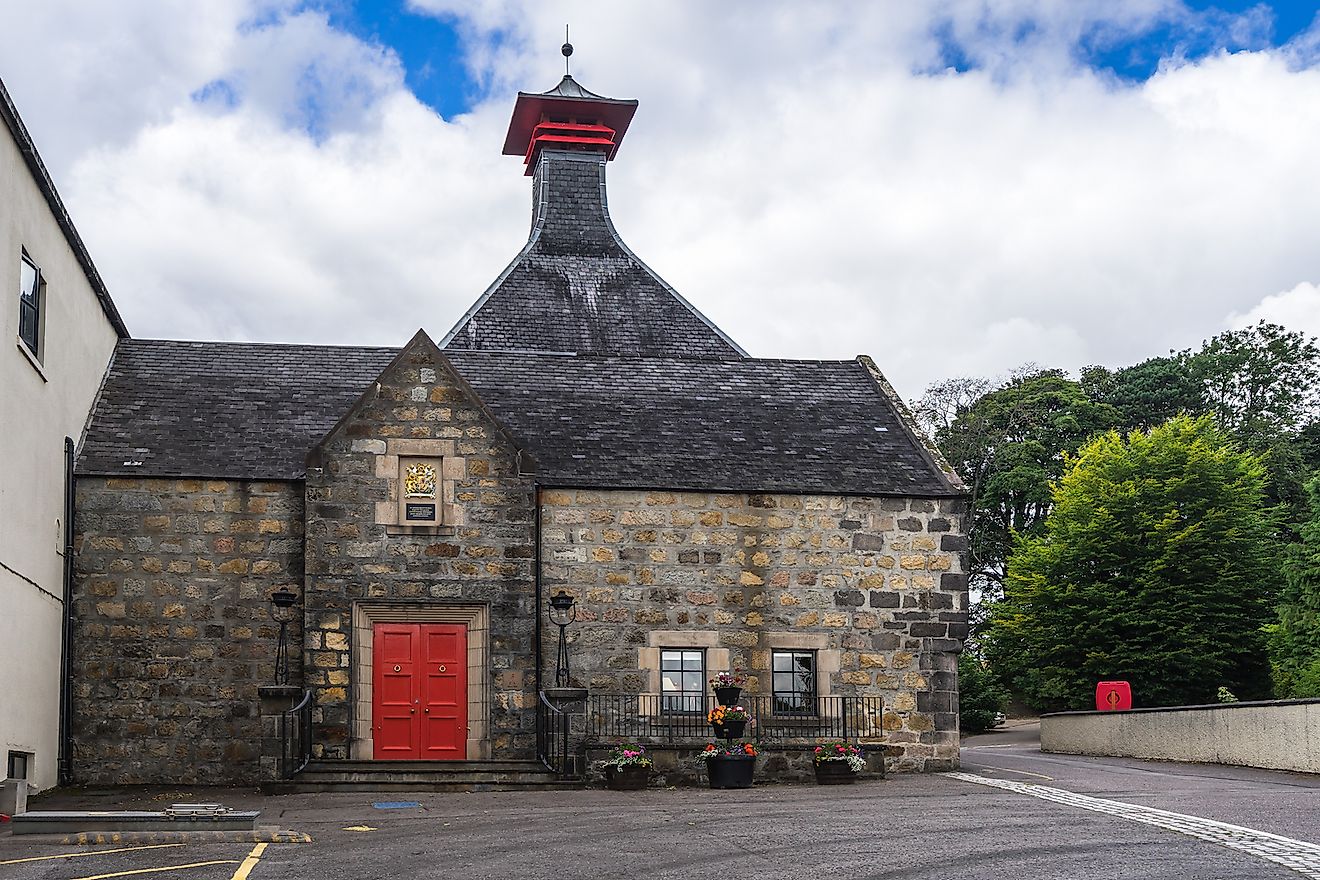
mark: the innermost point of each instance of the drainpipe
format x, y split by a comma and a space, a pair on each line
536, 563
65, 763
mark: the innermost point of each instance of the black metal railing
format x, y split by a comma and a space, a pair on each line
657, 719
296, 737
553, 731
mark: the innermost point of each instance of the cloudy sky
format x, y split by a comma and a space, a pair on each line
952, 186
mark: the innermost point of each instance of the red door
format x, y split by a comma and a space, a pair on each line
419, 699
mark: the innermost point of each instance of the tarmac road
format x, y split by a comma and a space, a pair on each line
1274, 801
939, 826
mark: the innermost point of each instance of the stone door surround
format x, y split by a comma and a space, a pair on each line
476, 617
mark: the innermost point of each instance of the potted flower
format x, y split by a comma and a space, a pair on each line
627, 768
728, 721
729, 765
837, 763
728, 686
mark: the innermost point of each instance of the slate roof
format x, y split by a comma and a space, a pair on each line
250, 411
577, 288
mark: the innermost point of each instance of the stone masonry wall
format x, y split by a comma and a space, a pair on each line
481, 556
172, 632
876, 583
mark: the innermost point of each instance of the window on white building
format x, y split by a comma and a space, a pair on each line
31, 290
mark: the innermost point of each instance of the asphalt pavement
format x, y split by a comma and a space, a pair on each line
909, 826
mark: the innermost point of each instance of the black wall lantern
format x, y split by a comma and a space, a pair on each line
281, 610
562, 613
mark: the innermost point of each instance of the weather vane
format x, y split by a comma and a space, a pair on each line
567, 49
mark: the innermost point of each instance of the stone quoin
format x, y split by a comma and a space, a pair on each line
582, 428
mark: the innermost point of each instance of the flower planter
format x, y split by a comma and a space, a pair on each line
728, 696
629, 778
730, 729
834, 773
730, 772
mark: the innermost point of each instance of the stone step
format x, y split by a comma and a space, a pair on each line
511, 766
300, 786
510, 775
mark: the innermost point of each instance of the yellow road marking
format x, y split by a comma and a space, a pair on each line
158, 870
94, 853
249, 863
1011, 770
359, 828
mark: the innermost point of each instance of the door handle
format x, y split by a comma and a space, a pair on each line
427, 711
412, 711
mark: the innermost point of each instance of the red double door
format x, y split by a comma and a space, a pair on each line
419, 691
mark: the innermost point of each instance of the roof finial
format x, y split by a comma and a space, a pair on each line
567, 49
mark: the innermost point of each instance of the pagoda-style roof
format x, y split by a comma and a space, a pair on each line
566, 102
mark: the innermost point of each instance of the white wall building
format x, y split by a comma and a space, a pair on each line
58, 330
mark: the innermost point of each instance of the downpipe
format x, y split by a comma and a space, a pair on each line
65, 759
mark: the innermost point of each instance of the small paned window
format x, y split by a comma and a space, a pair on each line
29, 304
794, 682
18, 765
682, 681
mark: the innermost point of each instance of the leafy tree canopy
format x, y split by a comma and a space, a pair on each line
1008, 444
1261, 382
1146, 394
1295, 641
1153, 566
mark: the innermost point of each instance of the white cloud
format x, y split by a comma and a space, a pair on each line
813, 181
1296, 309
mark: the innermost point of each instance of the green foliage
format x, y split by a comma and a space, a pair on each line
980, 695
1295, 641
1008, 444
1146, 394
1153, 566
1261, 382
1297, 682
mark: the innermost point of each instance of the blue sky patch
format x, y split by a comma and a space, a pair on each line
1199, 29
429, 48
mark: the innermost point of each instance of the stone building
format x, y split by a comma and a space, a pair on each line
583, 429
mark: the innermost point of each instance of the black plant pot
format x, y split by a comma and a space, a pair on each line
730, 772
834, 773
631, 778
728, 696
730, 729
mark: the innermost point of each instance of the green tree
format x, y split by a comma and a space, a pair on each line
1295, 641
981, 698
1008, 444
1147, 394
1262, 382
1154, 566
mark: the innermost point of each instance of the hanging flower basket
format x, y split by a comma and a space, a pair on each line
728, 696
728, 721
728, 686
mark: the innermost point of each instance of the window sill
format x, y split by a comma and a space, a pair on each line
32, 359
